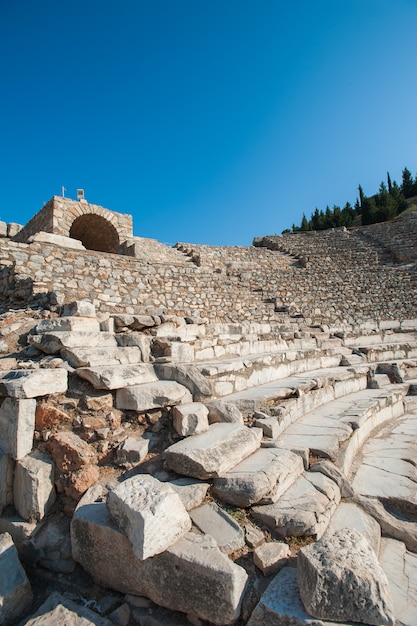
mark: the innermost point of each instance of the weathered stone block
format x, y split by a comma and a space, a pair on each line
6, 480
15, 591
118, 376
152, 396
17, 426
132, 451
150, 513
220, 411
190, 419
79, 308
69, 324
33, 383
34, 491
271, 557
213, 521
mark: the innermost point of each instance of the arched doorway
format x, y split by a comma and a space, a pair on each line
95, 233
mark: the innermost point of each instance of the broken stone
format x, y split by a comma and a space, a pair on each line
68, 324
70, 452
331, 470
152, 396
214, 452
187, 375
340, 578
193, 563
58, 609
98, 401
81, 480
17, 426
132, 451
191, 491
15, 591
33, 383
349, 515
150, 513
6, 480
118, 376
256, 476
214, 521
135, 339
47, 416
190, 419
220, 411
270, 427
53, 342
85, 357
254, 536
79, 308
271, 557
34, 492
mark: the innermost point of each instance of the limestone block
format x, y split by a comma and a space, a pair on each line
19, 529
332, 471
17, 426
190, 419
86, 357
214, 452
47, 415
181, 352
98, 401
3, 229
190, 490
253, 479
68, 324
57, 240
400, 567
152, 396
254, 536
59, 610
213, 521
350, 515
69, 452
50, 545
6, 480
13, 229
79, 308
270, 427
340, 578
150, 513
15, 591
187, 375
118, 376
304, 509
271, 557
81, 480
221, 411
135, 339
192, 575
33, 383
132, 451
34, 491
53, 342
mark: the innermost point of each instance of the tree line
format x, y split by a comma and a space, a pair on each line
389, 202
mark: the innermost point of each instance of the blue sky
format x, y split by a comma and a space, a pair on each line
210, 122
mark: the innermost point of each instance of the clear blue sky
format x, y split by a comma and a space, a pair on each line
209, 121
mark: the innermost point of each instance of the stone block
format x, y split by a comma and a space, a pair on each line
150, 513
15, 591
270, 427
34, 491
214, 452
213, 521
192, 576
13, 229
47, 415
254, 536
68, 324
85, 357
190, 419
53, 342
79, 308
138, 340
33, 383
58, 240
152, 396
131, 451
59, 610
189, 376
17, 426
118, 376
271, 557
340, 578
6, 480
350, 515
221, 411
3, 229
190, 490
69, 452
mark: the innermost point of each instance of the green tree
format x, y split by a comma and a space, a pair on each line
407, 186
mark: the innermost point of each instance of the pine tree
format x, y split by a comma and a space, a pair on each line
389, 183
407, 186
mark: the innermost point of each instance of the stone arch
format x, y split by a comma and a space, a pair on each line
95, 233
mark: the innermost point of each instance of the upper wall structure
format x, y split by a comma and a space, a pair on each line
96, 227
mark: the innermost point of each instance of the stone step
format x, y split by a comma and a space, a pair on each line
305, 509
214, 452
386, 467
380, 338
54, 342
326, 432
33, 383
85, 357
118, 376
400, 566
152, 395
389, 352
68, 323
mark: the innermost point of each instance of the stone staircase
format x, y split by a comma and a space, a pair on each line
287, 423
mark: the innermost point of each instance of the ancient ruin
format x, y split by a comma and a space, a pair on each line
206, 435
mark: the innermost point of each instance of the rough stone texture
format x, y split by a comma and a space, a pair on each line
70, 324
6, 480
79, 308
85, 357
51, 343
117, 376
332, 471
70, 452
152, 396
58, 610
214, 452
214, 521
191, 491
15, 591
137, 340
81, 480
57, 240
266, 470
400, 567
271, 557
350, 515
132, 451
17, 426
214, 585
33, 383
221, 411
189, 376
34, 492
150, 513
340, 578
190, 419
47, 415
